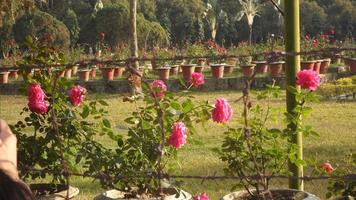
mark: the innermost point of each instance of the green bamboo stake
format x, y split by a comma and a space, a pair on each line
292, 44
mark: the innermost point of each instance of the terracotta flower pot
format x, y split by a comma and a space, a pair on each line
174, 70
228, 69
14, 74
59, 73
261, 67
199, 69
231, 61
74, 70
108, 73
84, 74
53, 191
68, 73
317, 66
352, 64
119, 71
163, 73
201, 61
170, 194
4, 77
275, 68
217, 70
187, 70
248, 69
276, 193
307, 65
93, 72
324, 66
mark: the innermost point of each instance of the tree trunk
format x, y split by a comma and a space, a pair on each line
134, 79
250, 35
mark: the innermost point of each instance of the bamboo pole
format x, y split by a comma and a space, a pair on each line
292, 44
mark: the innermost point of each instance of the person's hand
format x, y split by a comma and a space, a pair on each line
8, 150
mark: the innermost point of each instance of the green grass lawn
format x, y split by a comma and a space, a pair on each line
335, 121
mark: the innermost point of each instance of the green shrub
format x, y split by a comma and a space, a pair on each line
344, 81
40, 24
71, 21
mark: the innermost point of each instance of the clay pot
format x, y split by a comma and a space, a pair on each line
217, 70
163, 73
307, 65
74, 70
276, 193
170, 194
201, 61
276, 68
119, 71
231, 61
93, 72
84, 74
174, 70
317, 66
4, 77
14, 74
53, 191
324, 66
187, 70
68, 73
108, 73
228, 69
248, 69
199, 69
352, 64
59, 73
261, 67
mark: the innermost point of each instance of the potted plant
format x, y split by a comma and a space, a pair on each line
56, 124
119, 70
308, 60
196, 50
122, 53
217, 65
255, 150
93, 69
108, 72
259, 59
84, 74
325, 65
351, 61
157, 131
14, 74
4, 77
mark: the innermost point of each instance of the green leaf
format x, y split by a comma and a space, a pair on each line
106, 123
102, 102
85, 112
187, 106
292, 90
176, 105
145, 125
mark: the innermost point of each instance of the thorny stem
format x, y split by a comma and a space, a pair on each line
59, 139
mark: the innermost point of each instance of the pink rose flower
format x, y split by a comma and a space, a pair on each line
222, 111
40, 107
202, 196
159, 88
197, 79
328, 168
77, 95
178, 136
36, 99
308, 79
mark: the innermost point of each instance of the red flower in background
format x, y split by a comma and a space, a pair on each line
36, 99
315, 43
77, 95
328, 168
102, 36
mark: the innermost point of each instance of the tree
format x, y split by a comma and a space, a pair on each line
312, 17
250, 9
40, 24
113, 21
71, 21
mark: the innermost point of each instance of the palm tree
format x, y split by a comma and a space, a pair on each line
250, 9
